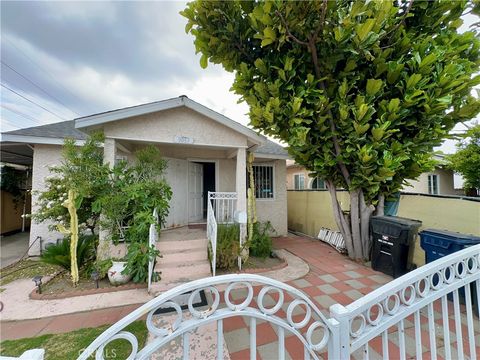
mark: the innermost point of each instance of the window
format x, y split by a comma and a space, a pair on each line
318, 184
299, 180
433, 184
263, 177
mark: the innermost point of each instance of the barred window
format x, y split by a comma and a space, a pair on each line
299, 180
263, 177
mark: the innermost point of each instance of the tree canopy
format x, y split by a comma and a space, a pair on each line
466, 161
360, 91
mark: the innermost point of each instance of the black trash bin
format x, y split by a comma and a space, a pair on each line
392, 237
440, 243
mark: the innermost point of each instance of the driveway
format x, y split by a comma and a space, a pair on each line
13, 247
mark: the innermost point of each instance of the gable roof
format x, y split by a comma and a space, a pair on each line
56, 133
181, 101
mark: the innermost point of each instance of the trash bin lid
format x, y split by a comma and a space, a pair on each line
403, 222
450, 236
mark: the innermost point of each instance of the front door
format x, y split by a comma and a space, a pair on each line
195, 192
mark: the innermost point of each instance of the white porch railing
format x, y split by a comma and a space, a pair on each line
152, 240
224, 205
221, 207
212, 234
349, 329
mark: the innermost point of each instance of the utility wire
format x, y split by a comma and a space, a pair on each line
38, 87
42, 69
26, 116
33, 102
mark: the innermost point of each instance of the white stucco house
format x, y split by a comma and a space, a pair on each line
206, 151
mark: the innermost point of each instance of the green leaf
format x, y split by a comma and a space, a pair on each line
413, 80
268, 32
204, 61
364, 29
361, 129
393, 105
377, 133
373, 86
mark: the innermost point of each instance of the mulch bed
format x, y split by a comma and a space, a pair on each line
60, 287
255, 265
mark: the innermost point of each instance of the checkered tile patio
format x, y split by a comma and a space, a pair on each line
333, 278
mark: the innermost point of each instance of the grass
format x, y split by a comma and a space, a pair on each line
26, 269
68, 346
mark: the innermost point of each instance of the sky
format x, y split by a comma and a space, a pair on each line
63, 60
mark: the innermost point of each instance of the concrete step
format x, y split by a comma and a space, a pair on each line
183, 256
176, 273
181, 245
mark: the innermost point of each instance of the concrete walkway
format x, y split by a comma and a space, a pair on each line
13, 247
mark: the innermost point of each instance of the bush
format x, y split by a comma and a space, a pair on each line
101, 266
137, 258
261, 244
59, 254
228, 245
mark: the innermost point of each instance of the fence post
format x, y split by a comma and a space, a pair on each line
340, 346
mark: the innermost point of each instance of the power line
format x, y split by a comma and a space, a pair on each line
42, 69
33, 102
38, 87
26, 116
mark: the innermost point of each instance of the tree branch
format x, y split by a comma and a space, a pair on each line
289, 34
409, 7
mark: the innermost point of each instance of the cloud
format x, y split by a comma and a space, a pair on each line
95, 56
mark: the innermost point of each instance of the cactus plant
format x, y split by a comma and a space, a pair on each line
70, 204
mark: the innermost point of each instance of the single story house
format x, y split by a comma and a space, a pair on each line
436, 182
206, 151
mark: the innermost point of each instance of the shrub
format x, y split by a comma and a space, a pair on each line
261, 244
138, 256
101, 266
228, 246
59, 254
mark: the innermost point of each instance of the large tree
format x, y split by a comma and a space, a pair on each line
360, 90
466, 160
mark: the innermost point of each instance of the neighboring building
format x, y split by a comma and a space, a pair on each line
298, 178
206, 151
438, 182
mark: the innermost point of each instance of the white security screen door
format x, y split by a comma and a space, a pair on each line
195, 192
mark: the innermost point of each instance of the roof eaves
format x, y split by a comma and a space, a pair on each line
30, 139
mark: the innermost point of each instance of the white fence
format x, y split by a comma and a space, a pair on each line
349, 328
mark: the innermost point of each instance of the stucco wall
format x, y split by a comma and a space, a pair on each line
275, 210
445, 183
164, 126
308, 211
43, 157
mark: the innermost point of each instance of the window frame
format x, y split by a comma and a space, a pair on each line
273, 198
302, 175
430, 184
315, 178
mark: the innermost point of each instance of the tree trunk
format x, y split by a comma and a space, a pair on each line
355, 229
355, 224
340, 219
380, 206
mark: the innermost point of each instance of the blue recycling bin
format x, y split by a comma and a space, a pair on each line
440, 243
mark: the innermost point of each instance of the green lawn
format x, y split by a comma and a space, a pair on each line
68, 346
